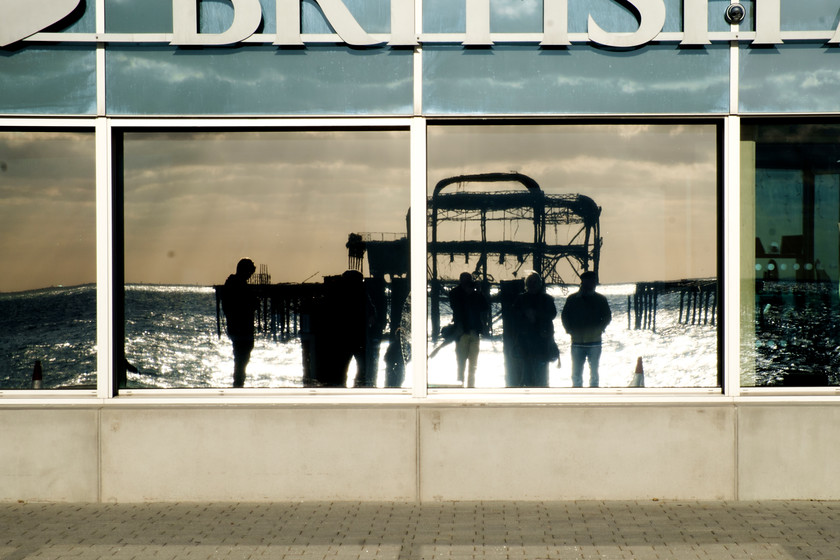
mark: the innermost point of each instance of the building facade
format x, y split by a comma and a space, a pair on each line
685, 153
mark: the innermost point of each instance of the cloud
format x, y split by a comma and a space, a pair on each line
47, 209
289, 199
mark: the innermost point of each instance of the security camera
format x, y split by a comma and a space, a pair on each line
735, 13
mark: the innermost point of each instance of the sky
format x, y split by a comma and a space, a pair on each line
47, 210
288, 200
197, 202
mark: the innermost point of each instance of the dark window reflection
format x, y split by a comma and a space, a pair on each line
266, 259
595, 247
48, 260
794, 170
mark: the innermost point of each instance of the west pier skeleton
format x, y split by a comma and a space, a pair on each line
497, 225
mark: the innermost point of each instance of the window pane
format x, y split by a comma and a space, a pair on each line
523, 79
768, 76
790, 253
48, 80
306, 207
257, 80
48, 259
636, 204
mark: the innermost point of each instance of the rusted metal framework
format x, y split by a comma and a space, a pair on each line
530, 208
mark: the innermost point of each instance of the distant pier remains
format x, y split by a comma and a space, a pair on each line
698, 302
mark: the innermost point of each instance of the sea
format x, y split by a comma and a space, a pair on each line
172, 339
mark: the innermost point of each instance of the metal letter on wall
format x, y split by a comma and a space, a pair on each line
695, 22
836, 37
336, 13
768, 22
403, 33
19, 20
247, 15
651, 21
555, 23
478, 23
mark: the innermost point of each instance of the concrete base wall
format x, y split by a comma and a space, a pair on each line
419, 452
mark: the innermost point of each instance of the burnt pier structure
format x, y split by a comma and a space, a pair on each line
532, 229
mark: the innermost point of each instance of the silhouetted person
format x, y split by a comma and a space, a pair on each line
468, 308
238, 305
585, 316
355, 318
533, 320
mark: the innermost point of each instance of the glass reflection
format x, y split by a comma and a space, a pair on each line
595, 246
266, 259
790, 172
48, 257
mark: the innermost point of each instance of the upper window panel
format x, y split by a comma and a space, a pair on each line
48, 260
258, 80
790, 180
594, 242
791, 78
48, 80
517, 79
266, 259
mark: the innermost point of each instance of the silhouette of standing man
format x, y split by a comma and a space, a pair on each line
585, 316
468, 306
534, 312
238, 305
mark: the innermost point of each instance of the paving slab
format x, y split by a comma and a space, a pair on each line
637, 530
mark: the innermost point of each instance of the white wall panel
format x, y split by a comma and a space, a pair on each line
789, 452
49, 455
233, 454
592, 452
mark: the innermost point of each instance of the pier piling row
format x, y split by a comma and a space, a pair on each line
698, 302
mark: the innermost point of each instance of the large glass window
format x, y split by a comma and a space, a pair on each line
523, 217
266, 259
790, 253
47, 260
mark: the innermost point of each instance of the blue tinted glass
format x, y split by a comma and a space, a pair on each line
801, 77
584, 79
83, 20
155, 16
373, 15
717, 21
129, 16
444, 16
54, 80
810, 15
516, 16
215, 16
258, 80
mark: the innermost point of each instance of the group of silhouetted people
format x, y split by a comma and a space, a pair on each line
340, 328
346, 334
585, 317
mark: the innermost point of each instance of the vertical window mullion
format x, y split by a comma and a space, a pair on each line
104, 258
417, 236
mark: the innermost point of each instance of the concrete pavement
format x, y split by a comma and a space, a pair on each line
789, 530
